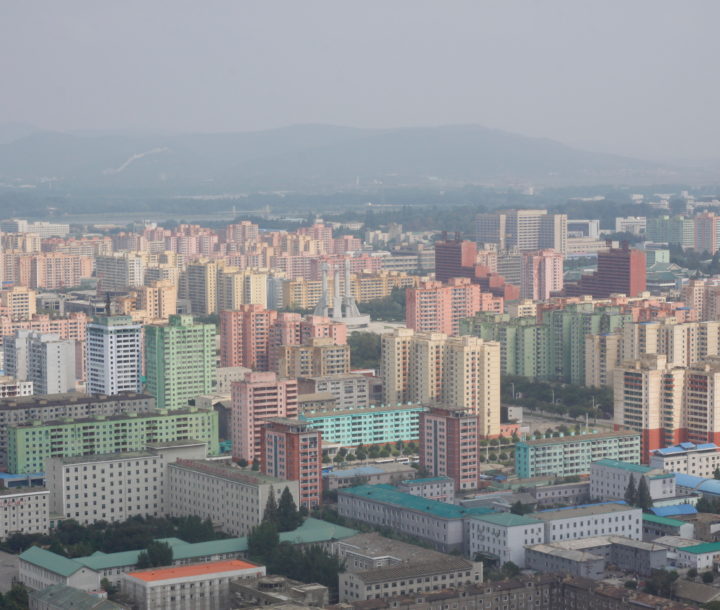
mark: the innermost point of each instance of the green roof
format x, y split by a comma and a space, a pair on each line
663, 520
624, 465
507, 519
390, 495
312, 530
51, 561
708, 547
426, 480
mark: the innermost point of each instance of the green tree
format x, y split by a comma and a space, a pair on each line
256, 465
518, 508
716, 473
708, 577
631, 492
644, 500
364, 350
692, 573
509, 570
630, 584
107, 586
143, 561
262, 541
160, 553
271, 508
288, 516
660, 583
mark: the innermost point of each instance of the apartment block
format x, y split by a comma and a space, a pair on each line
116, 486
30, 445
24, 511
350, 390
179, 361
232, 498
370, 426
541, 274
609, 480
619, 271
43, 359
603, 353
523, 229
259, 397
503, 535
449, 445
120, 271
9, 387
688, 458
437, 307
573, 455
461, 372
114, 348
18, 302
292, 450
316, 357
22, 410
602, 519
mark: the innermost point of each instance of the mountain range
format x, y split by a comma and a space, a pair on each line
304, 158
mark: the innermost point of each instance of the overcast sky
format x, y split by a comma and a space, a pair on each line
637, 77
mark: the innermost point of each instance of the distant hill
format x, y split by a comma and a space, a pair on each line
306, 157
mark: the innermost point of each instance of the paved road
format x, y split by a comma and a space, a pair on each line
8, 570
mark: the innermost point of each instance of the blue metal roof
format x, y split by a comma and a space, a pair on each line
669, 450
710, 486
687, 445
688, 480
676, 509
707, 446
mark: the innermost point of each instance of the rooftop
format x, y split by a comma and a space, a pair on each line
586, 510
62, 596
51, 561
70, 421
663, 520
707, 547
427, 481
624, 465
442, 565
676, 542
373, 544
570, 554
22, 491
106, 457
675, 509
577, 438
507, 519
198, 569
54, 400
388, 494
341, 412
685, 447
363, 471
226, 471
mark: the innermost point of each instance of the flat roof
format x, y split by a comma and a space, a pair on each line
580, 438
387, 494
630, 467
663, 520
582, 511
69, 421
507, 519
707, 547
427, 480
343, 412
199, 569
106, 457
53, 400
232, 473
442, 565
569, 554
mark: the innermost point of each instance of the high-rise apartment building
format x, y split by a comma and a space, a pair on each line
199, 286
541, 275
523, 229
454, 258
119, 271
438, 308
706, 232
619, 271
259, 397
315, 357
18, 302
179, 361
449, 445
114, 348
602, 356
461, 372
703, 295
43, 359
158, 299
292, 450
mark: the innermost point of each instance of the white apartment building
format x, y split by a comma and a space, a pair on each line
120, 271
609, 480
631, 224
200, 585
351, 390
42, 358
503, 535
116, 486
233, 499
24, 510
688, 458
114, 348
9, 386
40, 228
434, 488
591, 520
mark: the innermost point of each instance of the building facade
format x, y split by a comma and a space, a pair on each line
114, 355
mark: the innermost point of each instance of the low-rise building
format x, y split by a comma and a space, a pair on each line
434, 488
351, 390
572, 455
234, 499
438, 523
656, 527
700, 556
262, 591
609, 480
562, 494
9, 387
62, 597
24, 511
688, 458
200, 585
502, 536
554, 559
387, 473
605, 519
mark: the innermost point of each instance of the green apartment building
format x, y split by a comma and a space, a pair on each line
29, 445
553, 349
179, 361
572, 455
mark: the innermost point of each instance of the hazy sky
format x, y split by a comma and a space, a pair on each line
629, 76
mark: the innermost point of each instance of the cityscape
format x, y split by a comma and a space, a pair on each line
270, 341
